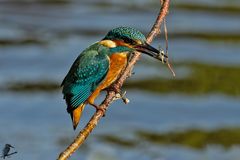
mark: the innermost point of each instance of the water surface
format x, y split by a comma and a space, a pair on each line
194, 116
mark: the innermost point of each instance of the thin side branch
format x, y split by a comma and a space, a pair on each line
156, 27
83, 134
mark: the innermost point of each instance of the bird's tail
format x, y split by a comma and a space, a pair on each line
76, 115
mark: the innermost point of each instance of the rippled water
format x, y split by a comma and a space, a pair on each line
195, 116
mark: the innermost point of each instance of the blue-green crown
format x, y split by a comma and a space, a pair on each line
125, 33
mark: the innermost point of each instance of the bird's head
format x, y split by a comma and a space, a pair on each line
9, 145
125, 39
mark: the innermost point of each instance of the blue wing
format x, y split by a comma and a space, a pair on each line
86, 73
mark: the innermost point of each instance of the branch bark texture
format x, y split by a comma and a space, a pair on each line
83, 134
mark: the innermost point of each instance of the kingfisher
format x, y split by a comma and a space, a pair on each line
6, 150
99, 65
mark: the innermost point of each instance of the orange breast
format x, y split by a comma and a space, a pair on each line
118, 62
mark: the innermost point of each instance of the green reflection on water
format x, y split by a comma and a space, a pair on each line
112, 139
205, 78
207, 36
23, 41
56, 2
46, 86
233, 9
47, 2
194, 138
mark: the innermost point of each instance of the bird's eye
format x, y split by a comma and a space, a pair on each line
129, 41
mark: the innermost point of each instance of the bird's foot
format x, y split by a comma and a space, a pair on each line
122, 96
99, 108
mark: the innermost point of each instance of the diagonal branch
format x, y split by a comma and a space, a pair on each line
83, 134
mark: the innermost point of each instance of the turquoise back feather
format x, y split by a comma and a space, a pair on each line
86, 73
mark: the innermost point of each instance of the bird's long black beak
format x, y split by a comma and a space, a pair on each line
151, 51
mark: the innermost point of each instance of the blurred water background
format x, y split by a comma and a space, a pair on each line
195, 116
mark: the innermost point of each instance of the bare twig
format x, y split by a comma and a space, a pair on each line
156, 27
83, 134
166, 38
